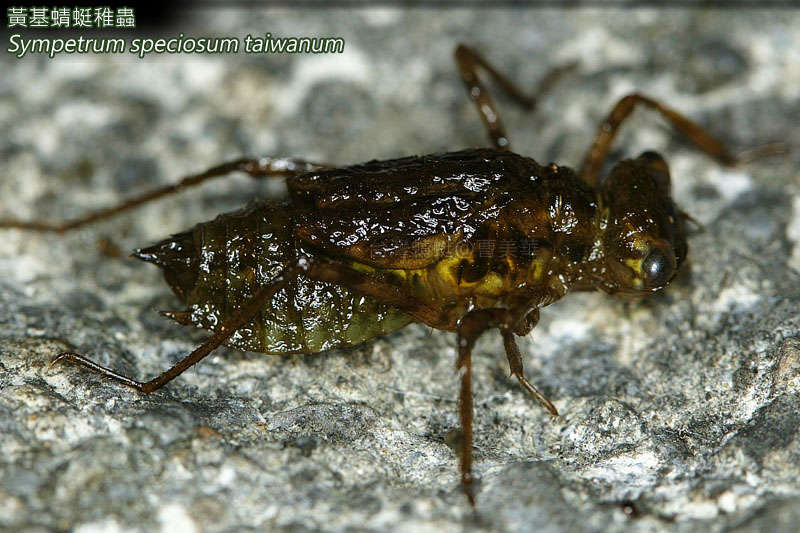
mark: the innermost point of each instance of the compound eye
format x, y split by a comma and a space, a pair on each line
658, 169
651, 157
658, 268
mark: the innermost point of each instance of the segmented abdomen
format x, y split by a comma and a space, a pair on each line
215, 267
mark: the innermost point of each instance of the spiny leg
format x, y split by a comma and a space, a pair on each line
255, 167
249, 310
597, 152
469, 61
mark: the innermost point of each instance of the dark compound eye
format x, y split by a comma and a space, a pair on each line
657, 268
658, 169
651, 156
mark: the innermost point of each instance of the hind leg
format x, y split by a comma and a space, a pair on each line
382, 291
249, 310
254, 167
316, 269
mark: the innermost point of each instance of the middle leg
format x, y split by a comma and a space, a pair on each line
468, 329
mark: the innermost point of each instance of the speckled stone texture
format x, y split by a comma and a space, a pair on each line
679, 413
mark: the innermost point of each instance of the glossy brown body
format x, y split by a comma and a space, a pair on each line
465, 241
460, 231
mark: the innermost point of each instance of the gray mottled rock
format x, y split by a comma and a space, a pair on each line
678, 413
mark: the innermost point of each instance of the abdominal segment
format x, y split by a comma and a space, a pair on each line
218, 265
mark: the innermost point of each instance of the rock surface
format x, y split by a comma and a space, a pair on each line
678, 413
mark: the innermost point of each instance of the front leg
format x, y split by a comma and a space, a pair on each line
515, 364
698, 135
